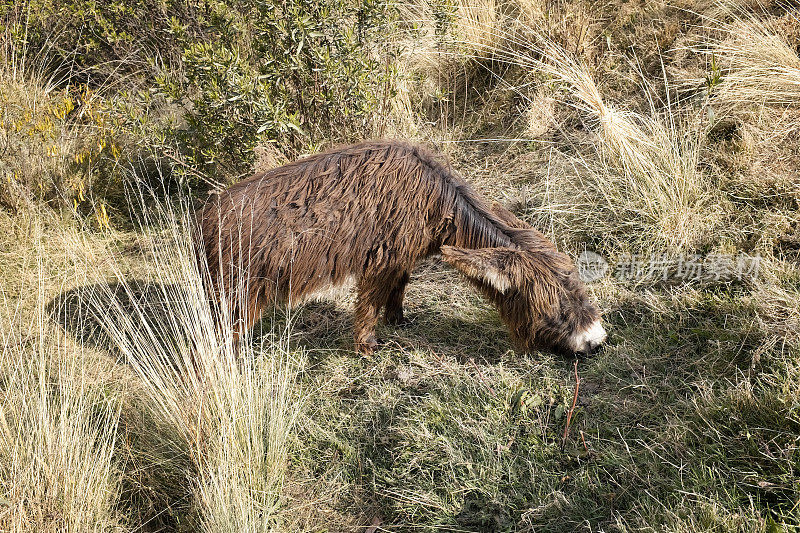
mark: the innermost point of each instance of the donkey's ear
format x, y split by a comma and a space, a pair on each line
490, 265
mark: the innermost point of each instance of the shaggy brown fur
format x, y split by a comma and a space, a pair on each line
369, 212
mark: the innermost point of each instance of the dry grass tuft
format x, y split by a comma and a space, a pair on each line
58, 426
648, 180
227, 405
751, 59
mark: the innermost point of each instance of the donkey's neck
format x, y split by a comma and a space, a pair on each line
475, 225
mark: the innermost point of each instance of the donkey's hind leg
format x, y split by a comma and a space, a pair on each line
373, 294
394, 305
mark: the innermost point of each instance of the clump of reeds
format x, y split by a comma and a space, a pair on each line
227, 403
58, 426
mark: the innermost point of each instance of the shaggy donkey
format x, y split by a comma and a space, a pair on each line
368, 213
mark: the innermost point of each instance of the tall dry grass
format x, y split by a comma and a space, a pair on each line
632, 178
758, 66
58, 414
642, 172
58, 426
223, 411
754, 53
228, 405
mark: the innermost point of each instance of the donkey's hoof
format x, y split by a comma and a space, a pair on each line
368, 346
400, 321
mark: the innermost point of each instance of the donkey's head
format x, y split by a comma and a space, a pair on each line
539, 296
536, 289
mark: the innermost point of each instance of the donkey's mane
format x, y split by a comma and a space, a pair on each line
476, 225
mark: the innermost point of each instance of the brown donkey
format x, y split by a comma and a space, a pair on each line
368, 213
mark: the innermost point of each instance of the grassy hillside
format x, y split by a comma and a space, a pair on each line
661, 136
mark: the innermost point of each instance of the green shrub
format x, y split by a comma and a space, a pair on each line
230, 74
292, 73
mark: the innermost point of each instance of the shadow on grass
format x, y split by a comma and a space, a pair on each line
321, 327
154, 495
97, 315
88, 312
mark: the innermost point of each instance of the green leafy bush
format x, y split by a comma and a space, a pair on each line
291, 73
228, 74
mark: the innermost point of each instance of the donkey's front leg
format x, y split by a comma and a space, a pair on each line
373, 294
